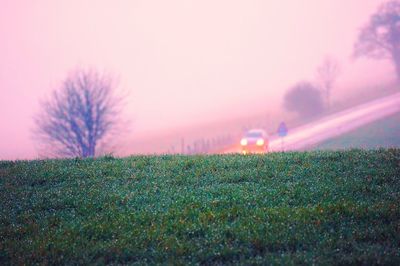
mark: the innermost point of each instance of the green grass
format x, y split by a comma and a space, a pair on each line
384, 133
280, 208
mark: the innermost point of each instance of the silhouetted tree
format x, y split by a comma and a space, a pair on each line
327, 75
304, 99
79, 116
380, 38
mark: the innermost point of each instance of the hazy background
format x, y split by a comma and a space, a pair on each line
185, 64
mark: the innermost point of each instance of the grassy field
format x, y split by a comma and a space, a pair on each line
384, 133
280, 208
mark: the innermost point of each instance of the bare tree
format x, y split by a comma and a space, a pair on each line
305, 99
79, 116
380, 38
327, 75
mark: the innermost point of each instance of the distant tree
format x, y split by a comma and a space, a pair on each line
79, 116
304, 99
380, 38
327, 73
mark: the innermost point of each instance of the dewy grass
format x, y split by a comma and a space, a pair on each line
279, 208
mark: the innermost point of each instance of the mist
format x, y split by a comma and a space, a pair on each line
189, 70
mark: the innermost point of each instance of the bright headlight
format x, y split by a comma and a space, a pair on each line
243, 142
260, 142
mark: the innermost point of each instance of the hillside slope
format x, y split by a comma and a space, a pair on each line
384, 133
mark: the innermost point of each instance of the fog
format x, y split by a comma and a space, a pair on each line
187, 69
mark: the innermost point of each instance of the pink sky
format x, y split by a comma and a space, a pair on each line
182, 62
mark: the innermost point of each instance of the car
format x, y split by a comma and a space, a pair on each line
254, 141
